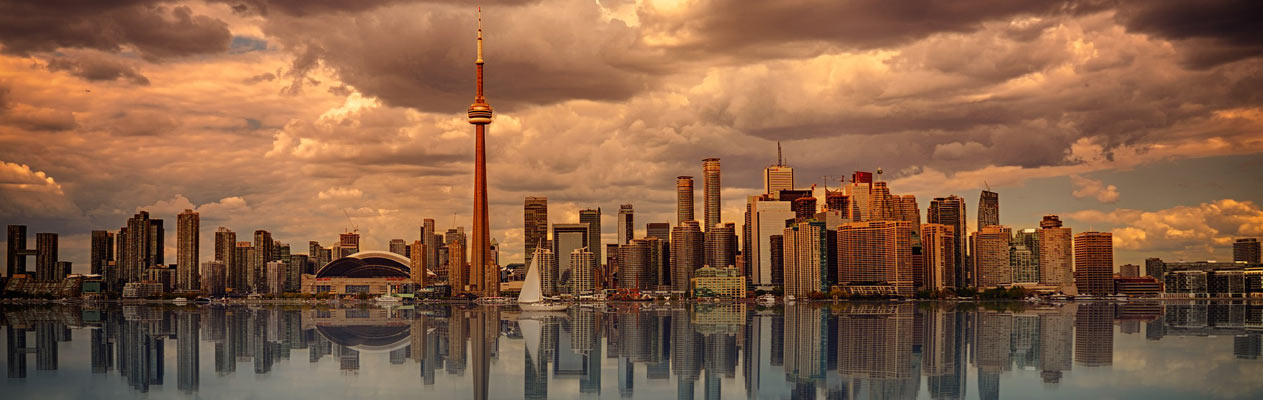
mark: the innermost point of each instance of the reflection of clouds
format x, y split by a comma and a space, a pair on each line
1173, 365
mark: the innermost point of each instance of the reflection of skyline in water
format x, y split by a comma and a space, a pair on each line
711, 351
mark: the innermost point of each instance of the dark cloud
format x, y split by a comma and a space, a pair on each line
315, 7
158, 31
98, 67
264, 77
1210, 32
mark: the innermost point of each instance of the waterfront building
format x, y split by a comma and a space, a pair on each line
805, 250
683, 199
718, 282
767, 218
583, 267
1094, 263
876, 257
566, 239
1246, 250
721, 246
950, 211
369, 272
687, 253
938, 249
188, 242
1056, 254
46, 269
991, 259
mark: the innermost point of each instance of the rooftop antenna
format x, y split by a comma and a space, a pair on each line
354, 228
984, 183
780, 161
826, 180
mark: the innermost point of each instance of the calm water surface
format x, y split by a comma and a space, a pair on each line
844, 351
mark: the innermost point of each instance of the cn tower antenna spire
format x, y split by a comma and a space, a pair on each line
779, 161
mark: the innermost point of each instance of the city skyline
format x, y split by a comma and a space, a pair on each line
294, 134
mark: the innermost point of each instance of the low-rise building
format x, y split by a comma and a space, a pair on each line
1137, 286
141, 290
718, 282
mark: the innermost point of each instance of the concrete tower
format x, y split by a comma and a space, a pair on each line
480, 117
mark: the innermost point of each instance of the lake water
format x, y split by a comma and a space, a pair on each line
732, 351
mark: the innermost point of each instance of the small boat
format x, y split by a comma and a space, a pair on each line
766, 300
180, 300
385, 298
202, 300
493, 300
531, 297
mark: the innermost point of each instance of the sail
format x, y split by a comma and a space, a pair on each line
531, 288
530, 332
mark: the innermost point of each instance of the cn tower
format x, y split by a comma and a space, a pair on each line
484, 279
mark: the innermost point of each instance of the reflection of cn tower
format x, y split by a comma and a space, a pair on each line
480, 274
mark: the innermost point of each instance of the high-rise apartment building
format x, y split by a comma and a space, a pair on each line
15, 250
1246, 250
263, 251
881, 204
1155, 267
566, 239
456, 276
592, 217
214, 278
721, 246
1056, 253
988, 209
188, 243
859, 191
767, 218
905, 209
432, 243
683, 199
139, 253
876, 253
804, 208
535, 225
660, 230
46, 269
1024, 256
225, 242
777, 177
806, 261
102, 251
950, 211
349, 243
1094, 263
710, 190
626, 224
417, 265
583, 266
991, 256
635, 262
398, 246
546, 261
239, 276
938, 249
687, 253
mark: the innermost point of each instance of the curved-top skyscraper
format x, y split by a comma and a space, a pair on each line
480, 117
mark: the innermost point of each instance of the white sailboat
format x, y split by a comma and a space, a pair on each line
531, 298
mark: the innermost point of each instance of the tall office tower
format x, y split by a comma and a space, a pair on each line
660, 230
805, 250
860, 193
225, 242
988, 209
102, 251
535, 224
721, 246
547, 265
991, 256
566, 239
1055, 253
239, 276
455, 235
188, 243
418, 263
710, 191
950, 211
683, 199
264, 247
214, 278
876, 251
687, 253
767, 219
938, 249
187, 351
881, 204
1246, 250
136, 255
1155, 267
15, 254
46, 258
582, 265
626, 224
1024, 256
456, 277
635, 260
777, 177
157, 250
349, 243
593, 219
804, 208
1094, 263
431, 240
905, 209
398, 246
274, 277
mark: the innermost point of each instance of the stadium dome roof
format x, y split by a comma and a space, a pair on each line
367, 264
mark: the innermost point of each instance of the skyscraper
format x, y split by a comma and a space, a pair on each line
547, 264
583, 266
592, 217
535, 225
1094, 263
950, 211
635, 261
46, 258
721, 246
1246, 250
876, 252
687, 253
399, 246
805, 257
1055, 253
777, 177
225, 242
1024, 256
188, 241
239, 276
418, 263
767, 219
710, 190
859, 191
456, 278
102, 251
660, 230
348, 244
683, 199
938, 249
480, 117
1155, 267
136, 253
626, 224
566, 239
431, 240
991, 256
213, 278
15, 254
264, 247
988, 209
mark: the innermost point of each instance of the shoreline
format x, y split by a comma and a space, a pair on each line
296, 302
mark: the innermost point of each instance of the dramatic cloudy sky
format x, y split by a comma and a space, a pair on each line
1139, 117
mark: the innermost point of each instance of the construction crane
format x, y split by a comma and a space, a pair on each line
826, 180
354, 228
